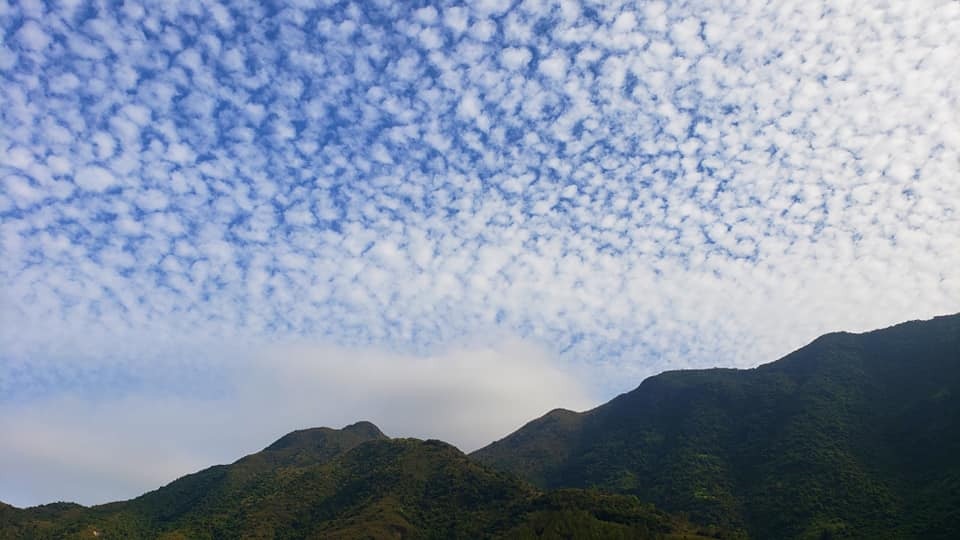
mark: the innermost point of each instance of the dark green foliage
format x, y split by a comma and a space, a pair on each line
851, 436
335, 484
574, 513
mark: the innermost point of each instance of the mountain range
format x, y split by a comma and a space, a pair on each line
852, 436
352, 483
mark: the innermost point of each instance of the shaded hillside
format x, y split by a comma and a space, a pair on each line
351, 483
854, 435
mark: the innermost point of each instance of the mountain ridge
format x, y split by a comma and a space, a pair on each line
328, 483
851, 436
720, 442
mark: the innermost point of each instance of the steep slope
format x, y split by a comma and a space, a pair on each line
852, 435
373, 487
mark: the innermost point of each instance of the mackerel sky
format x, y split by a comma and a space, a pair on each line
502, 199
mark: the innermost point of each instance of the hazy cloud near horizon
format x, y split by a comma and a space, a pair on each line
103, 448
624, 187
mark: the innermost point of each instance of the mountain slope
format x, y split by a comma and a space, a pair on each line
212, 491
852, 435
351, 483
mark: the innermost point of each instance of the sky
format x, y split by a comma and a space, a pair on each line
220, 222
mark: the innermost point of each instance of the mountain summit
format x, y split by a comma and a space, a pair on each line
854, 434
318, 445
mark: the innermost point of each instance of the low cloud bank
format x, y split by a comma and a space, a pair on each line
93, 450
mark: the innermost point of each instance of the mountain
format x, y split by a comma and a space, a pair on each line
854, 435
193, 498
351, 483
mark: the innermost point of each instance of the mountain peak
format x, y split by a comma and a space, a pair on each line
366, 428
561, 412
324, 438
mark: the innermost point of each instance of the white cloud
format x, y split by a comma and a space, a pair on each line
180, 153
116, 447
555, 66
95, 178
8, 58
431, 38
20, 189
64, 83
491, 7
32, 36
456, 19
516, 57
470, 106
427, 15
483, 29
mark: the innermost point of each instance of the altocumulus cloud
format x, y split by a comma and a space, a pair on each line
620, 187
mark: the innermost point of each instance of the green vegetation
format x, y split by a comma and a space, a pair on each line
853, 436
352, 483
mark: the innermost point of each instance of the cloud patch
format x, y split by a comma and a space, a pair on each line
110, 447
94, 178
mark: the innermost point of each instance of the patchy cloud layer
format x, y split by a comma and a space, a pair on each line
635, 187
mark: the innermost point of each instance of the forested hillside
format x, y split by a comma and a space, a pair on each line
352, 483
853, 435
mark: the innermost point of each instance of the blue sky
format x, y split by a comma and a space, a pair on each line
445, 218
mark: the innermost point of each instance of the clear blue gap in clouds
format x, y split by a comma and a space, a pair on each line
631, 186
